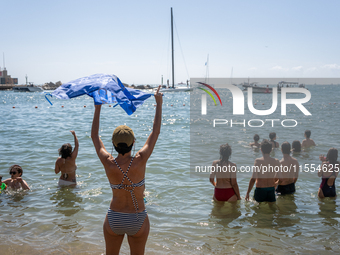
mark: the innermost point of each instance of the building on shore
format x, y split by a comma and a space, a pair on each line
7, 79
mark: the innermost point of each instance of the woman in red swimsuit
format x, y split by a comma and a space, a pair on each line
226, 188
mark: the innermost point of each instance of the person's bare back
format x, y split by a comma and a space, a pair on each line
290, 170
264, 175
308, 142
267, 171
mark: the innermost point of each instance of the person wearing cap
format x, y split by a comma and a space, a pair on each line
126, 174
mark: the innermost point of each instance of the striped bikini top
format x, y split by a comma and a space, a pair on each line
128, 187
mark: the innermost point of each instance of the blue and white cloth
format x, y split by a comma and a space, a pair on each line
104, 89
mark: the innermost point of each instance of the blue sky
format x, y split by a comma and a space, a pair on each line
64, 40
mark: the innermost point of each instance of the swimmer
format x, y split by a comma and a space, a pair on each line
16, 182
126, 175
308, 142
328, 171
296, 146
256, 143
66, 163
226, 188
289, 175
272, 137
264, 180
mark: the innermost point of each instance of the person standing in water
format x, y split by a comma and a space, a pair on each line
329, 171
264, 175
308, 142
296, 147
272, 137
66, 163
289, 175
226, 187
256, 143
126, 175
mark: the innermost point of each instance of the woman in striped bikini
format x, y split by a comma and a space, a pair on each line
126, 174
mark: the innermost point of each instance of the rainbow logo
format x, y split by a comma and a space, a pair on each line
209, 93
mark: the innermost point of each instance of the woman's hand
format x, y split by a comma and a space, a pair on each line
322, 158
158, 96
72, 132
18, 179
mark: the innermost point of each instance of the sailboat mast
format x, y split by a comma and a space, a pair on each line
172, 50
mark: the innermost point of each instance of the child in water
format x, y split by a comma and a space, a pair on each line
16, 182
256, 144
3, 186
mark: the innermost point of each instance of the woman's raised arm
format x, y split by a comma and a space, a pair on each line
76, 145
97, 142
150, 143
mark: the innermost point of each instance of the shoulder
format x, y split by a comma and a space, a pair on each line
215, 162
59, 160
258, 160
232, 164
137, 159
7, 180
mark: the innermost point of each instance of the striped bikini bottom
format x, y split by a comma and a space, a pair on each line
126, 223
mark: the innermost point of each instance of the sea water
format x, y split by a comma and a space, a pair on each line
183, 218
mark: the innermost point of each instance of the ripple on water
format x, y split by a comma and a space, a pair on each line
183, 217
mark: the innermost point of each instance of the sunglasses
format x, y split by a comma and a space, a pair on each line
12, 173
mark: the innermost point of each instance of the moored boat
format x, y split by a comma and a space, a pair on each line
173, 88
267, 89
27, 88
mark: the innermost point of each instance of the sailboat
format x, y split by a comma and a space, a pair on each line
173, 88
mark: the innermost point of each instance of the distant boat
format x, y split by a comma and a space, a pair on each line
267, 89
177, 89
173, 88
27, 88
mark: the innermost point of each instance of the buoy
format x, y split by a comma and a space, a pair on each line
154, 105
13, 107
109, 105
183, 104
262, 103
84, 106
36, 107
172, 105
62, 106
